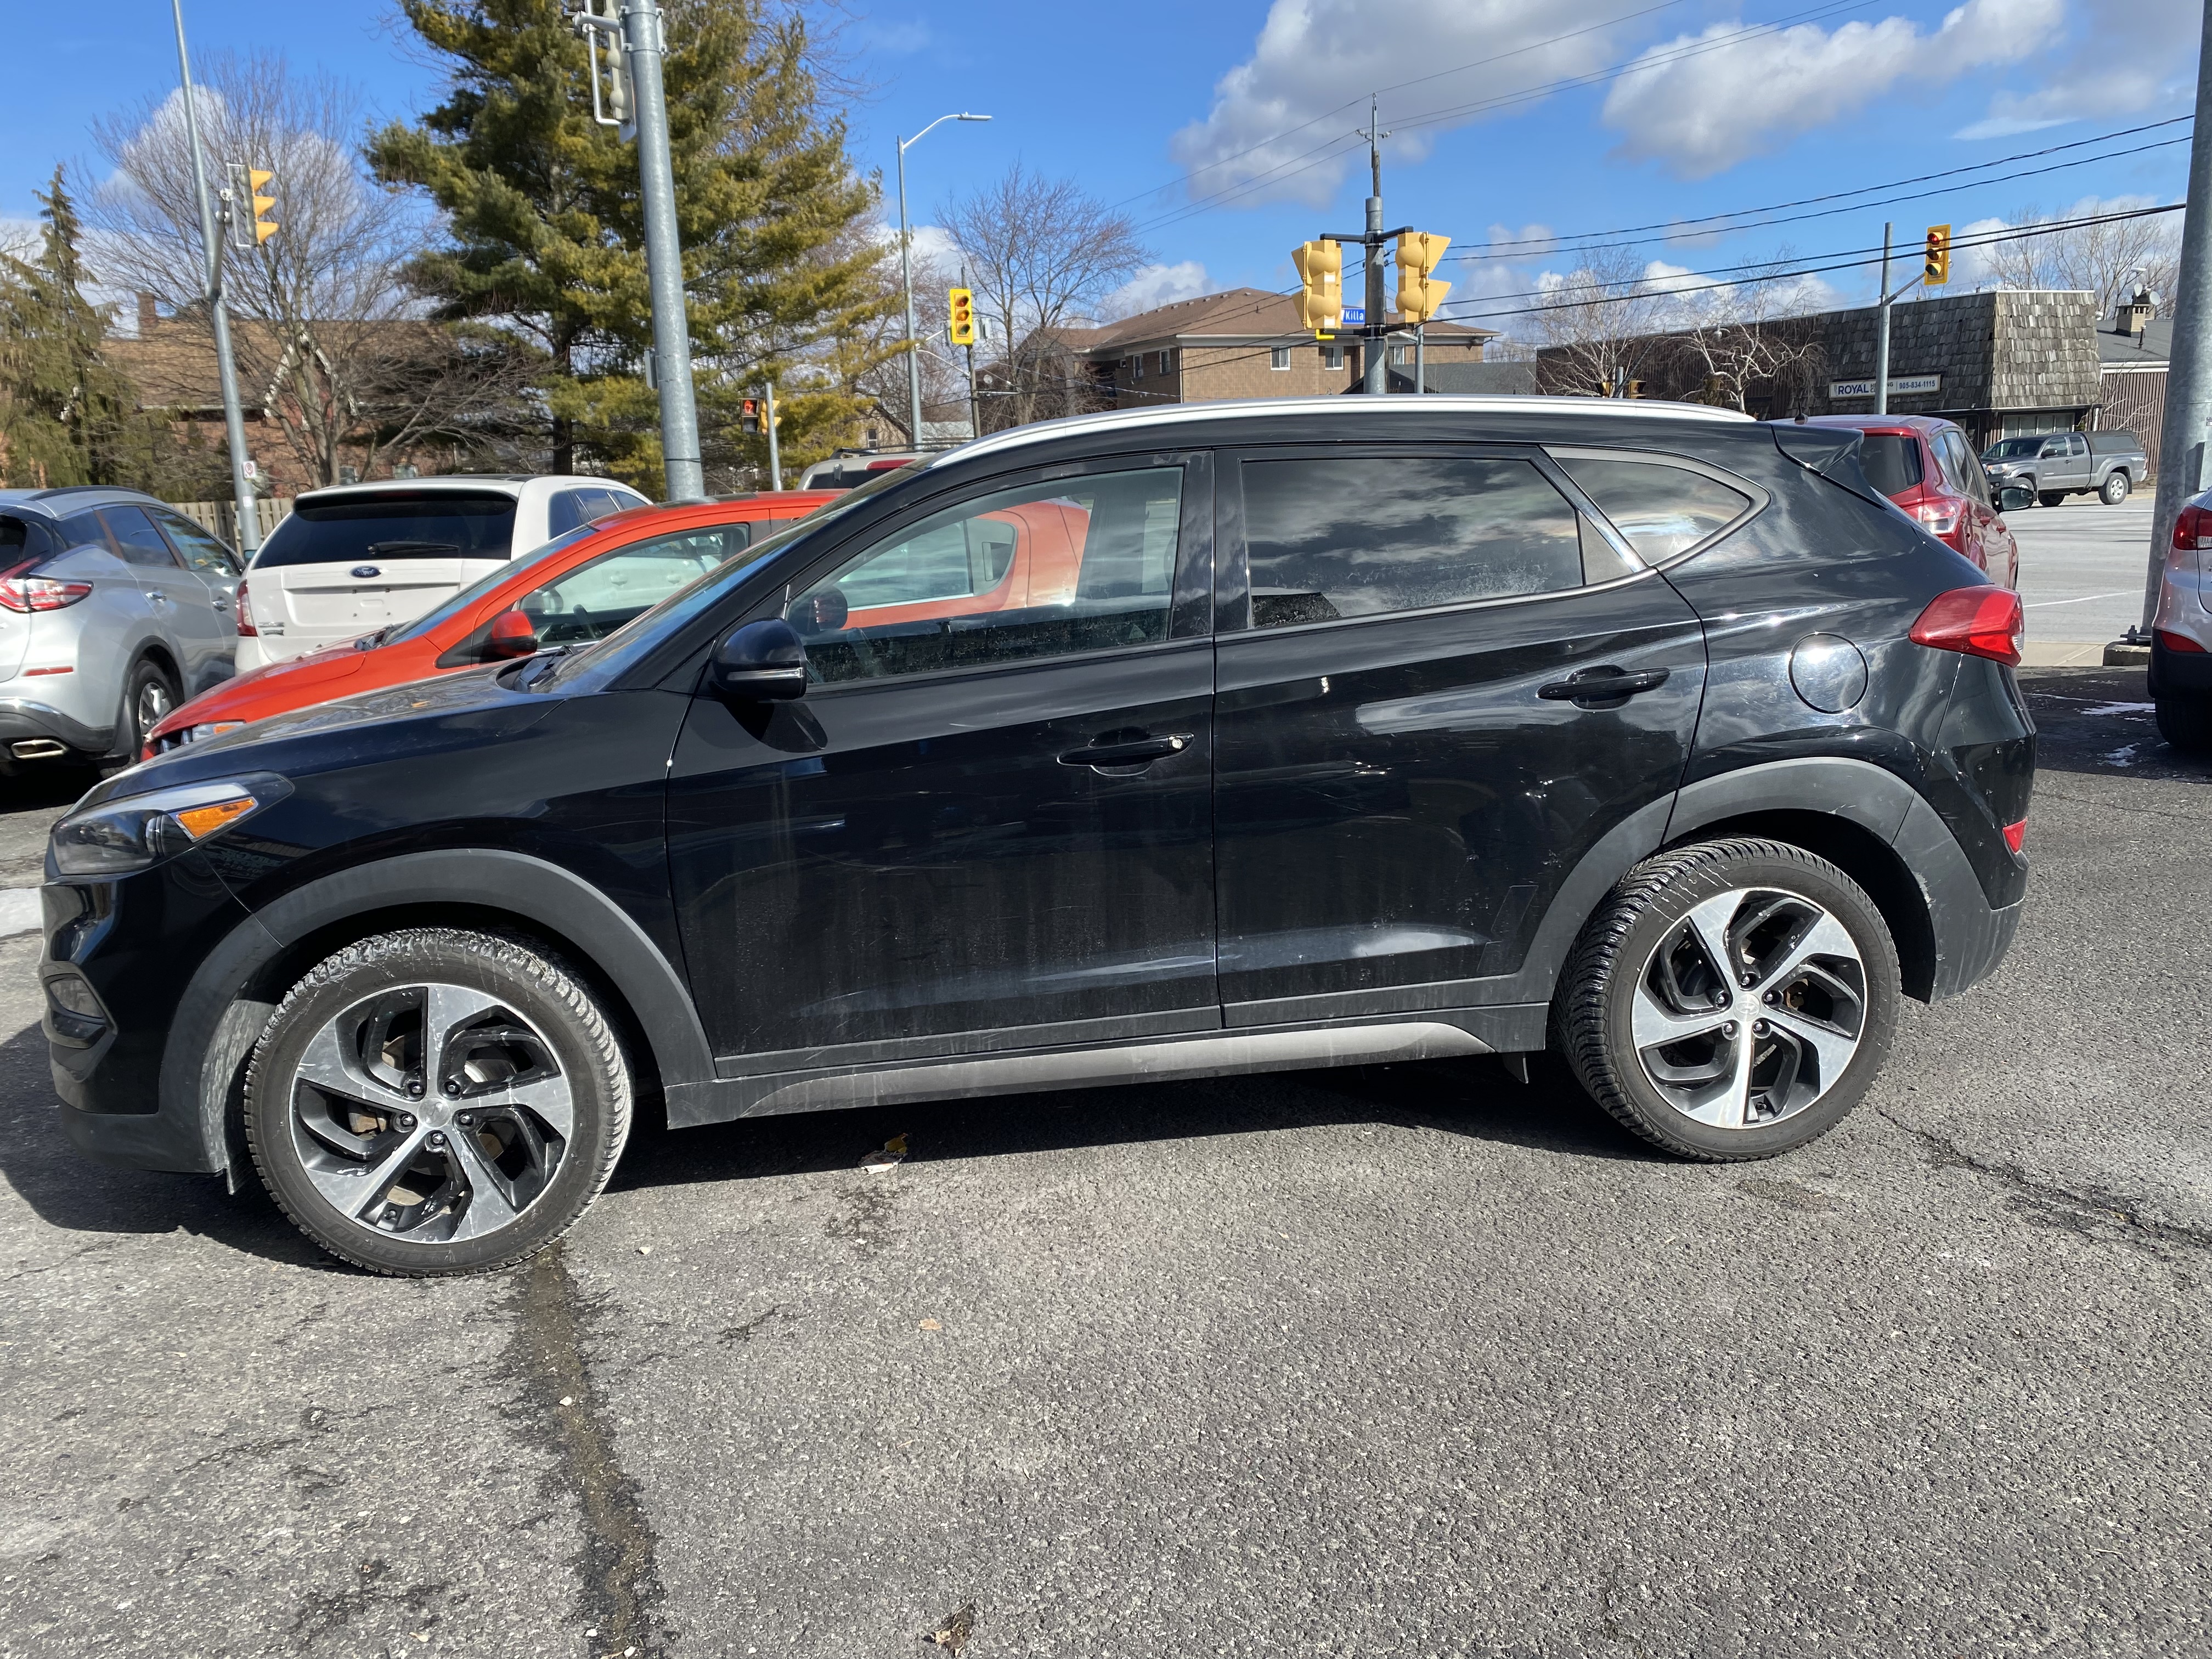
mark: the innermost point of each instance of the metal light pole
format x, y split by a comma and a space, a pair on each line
1881, 338
663, 256
775, 456
234, 419
906, 277
2189, 377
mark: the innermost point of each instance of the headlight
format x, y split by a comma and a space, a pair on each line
207, 729
135, 831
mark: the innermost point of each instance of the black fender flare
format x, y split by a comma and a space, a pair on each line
221, 1014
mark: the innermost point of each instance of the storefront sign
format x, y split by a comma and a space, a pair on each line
1900, 386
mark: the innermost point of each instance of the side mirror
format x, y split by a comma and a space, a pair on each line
2014, 497
513, 634
762, 662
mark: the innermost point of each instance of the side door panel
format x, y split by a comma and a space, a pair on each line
1397, 801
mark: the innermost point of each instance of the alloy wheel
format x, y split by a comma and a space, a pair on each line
431, 1113
154, 706
1750, 1009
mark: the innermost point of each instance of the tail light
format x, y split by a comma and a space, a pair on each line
2192, 530
1942, 517
1982, 622
246, 628
2181, 643
2015, 834
24, 594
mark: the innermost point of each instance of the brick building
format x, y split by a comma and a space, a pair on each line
1246, 342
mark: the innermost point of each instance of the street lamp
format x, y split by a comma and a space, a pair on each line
906, 276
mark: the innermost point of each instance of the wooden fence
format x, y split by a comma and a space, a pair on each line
221, 518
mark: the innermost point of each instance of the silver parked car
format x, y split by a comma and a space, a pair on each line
113, 609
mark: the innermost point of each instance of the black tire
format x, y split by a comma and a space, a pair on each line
512, 1173
2114, 490
2052, 497
1596, 1007
2185, 720
148, 695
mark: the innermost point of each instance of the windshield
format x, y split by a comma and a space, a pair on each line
422, 524
476, 589
619, 647
2012, 449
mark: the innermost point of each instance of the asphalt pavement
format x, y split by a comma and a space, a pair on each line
1415, 1360
2082, 567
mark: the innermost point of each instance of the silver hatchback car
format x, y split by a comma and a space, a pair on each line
113, 609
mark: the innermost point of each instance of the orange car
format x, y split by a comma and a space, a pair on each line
575, 589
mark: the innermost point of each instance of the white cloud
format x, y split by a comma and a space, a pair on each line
899, 39
2155, 66
1155, 285
1703, 112
1312, 55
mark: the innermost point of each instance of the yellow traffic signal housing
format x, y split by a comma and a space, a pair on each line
748, 416
1419, 294
264, 228
1319, 266
960, 310
1937, 270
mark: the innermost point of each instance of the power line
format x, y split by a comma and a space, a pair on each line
1679, 228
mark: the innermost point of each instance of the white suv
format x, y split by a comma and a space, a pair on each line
2181, 634
358, 557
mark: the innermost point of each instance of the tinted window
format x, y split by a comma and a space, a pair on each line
2077, 445
441, 525
1664, 510
564, 511
2012, 449
1334, 539
1960, 467
137, 539
21, 541
1078, 564
202, 551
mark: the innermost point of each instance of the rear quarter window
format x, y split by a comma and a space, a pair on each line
1662, 509
446, 525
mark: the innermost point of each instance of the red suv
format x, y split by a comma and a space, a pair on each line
1927, 467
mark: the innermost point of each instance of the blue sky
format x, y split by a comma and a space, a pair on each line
1153, 103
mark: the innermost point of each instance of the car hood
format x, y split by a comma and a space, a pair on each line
423, 715
243, 698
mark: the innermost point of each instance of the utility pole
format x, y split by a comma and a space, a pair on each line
1378, 381
233, 418
1881, 336
906, 279
1421, 358
975, 412
2189, 378
775, 457
639, 93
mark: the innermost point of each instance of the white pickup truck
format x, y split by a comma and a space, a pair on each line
2056, 465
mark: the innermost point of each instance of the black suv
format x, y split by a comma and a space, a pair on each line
1211, 739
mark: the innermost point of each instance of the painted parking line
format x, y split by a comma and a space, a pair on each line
19, 910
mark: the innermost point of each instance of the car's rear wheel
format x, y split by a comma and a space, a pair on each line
2052, 497
434, 1101
2185, 720
2115, 490
1731, 999
148, 696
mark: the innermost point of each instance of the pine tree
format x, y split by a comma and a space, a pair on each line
546, 233
66, 413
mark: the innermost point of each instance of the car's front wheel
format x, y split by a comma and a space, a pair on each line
2115, 490
148, 697
434, 1101
1731, 999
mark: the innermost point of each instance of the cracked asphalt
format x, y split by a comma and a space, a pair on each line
1409, 1361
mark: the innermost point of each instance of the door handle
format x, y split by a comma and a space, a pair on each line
1599, 687
1132, 751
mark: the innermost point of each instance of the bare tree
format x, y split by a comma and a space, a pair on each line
1746, 334
2110, 260
1041, 254
327, 333
1600, 324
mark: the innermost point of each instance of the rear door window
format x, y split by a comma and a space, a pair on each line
1664, 510
136, 537
1330, 540
447, 524
85, 530
202, 551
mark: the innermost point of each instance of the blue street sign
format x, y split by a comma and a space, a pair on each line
1355, 316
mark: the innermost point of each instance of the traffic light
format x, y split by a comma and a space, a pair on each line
1937, 270
748, 416
264, 228
961, 308
1321, 301
1419, 294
